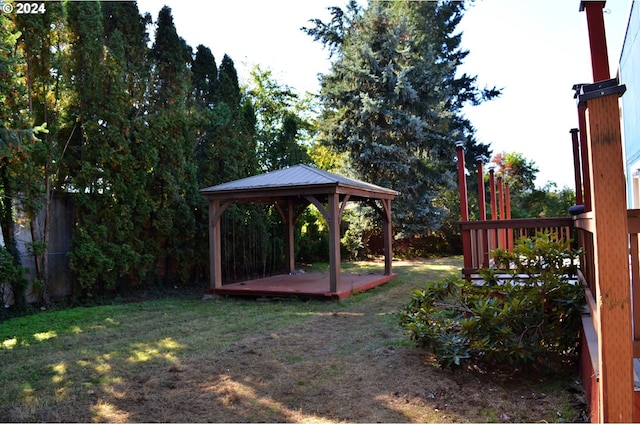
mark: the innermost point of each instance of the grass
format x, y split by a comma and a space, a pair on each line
241, 360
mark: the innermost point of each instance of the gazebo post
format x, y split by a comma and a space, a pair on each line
334, 242
215, 260
289, 248
387, 232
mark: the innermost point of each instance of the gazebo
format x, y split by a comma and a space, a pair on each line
291, 190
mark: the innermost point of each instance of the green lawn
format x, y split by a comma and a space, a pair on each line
229, 360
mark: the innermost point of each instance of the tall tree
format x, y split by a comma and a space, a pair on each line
173, 180
41, 43
238, 134
392, 100
281, 129
527, 200
12, 90
517, 170
108, 167
208, 115
101, 252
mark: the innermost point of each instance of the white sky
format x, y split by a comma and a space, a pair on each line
534, 49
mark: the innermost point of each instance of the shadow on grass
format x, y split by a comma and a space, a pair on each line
229, 361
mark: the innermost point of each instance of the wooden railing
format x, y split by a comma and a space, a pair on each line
585, 229
481, 237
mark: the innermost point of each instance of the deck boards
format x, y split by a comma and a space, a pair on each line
314, 285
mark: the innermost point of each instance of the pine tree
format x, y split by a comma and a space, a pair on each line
391, 101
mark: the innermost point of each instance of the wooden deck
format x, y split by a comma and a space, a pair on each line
308, 285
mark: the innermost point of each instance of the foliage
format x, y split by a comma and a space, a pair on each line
548, 201
526, 311
282, 131
527, 200
11, 275
517, 170
312, 243
392, 101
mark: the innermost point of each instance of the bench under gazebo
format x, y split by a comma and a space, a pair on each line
291, 190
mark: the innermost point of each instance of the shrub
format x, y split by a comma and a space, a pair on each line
13, 276
531, 313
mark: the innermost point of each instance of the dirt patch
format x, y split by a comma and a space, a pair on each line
352, 364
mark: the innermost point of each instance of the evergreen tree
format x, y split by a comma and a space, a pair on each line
238, 134
392, 101
40, 45
205, 78
12, 89
208, 115
173, 181
102, 252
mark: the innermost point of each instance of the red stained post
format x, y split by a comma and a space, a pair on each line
464, 205
481, 194
492, 190
482, 205
610, 233
502, 233
507, 201
462, 182
501, 197
577, 168
597, 39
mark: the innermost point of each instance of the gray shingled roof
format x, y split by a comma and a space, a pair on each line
298, 176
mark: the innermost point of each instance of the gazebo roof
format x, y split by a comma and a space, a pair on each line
299, 180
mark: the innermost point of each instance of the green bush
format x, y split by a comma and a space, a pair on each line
13, 275
527, 312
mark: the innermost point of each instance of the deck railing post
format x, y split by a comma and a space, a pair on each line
484, 243
577, 167
464, 205
507, 201
501, 206
610, 235
584, 152
494, 208
481, 194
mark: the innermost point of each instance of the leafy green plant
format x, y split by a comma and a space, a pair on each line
526, 311
11, 275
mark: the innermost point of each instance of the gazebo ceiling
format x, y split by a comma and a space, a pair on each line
295, 182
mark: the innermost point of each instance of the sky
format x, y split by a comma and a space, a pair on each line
534, 50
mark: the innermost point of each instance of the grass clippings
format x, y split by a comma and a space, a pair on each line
238, 360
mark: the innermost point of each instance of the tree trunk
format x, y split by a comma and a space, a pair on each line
6, 217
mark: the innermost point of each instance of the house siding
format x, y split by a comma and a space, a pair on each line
630, 76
